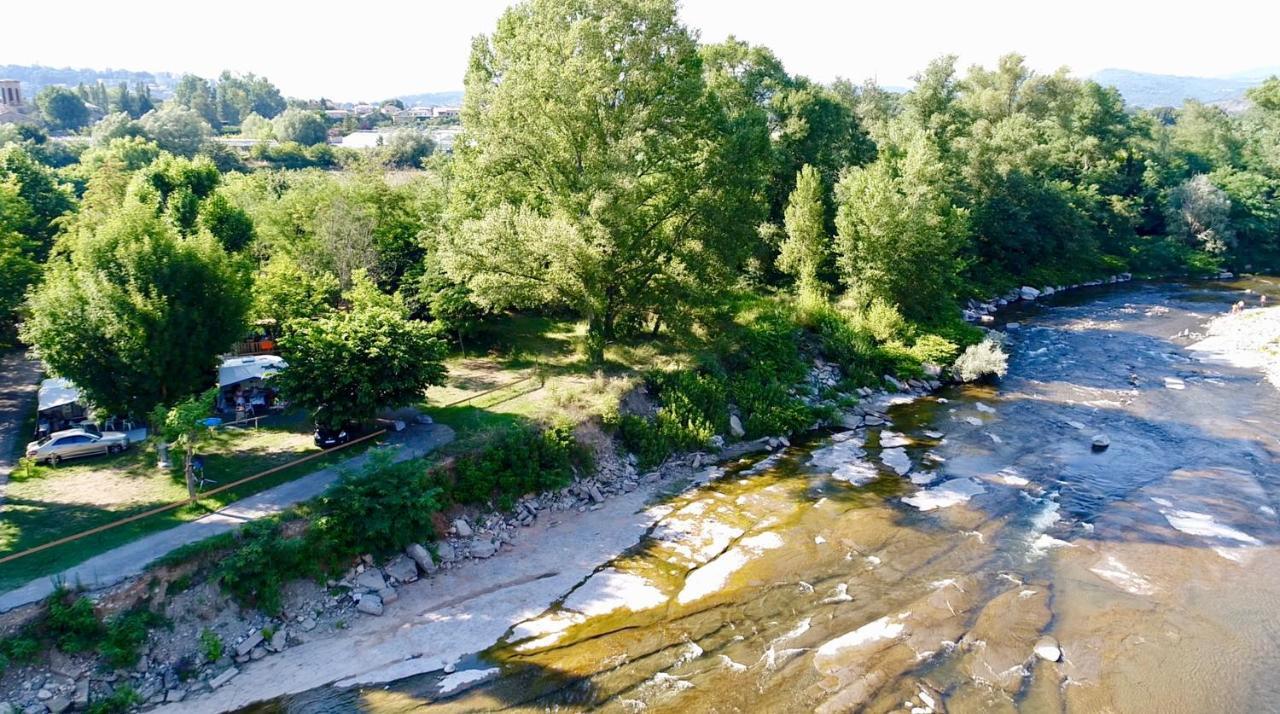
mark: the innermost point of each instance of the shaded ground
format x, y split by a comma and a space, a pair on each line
19, 381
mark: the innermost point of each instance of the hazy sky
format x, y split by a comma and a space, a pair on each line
388, 47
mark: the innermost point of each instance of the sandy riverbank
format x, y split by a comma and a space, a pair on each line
1249, 339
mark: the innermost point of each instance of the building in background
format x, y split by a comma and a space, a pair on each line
12, 108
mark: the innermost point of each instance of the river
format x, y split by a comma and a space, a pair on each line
824, 579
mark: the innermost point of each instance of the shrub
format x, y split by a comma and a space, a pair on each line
378, 510
211, 645
642, 437
71, 623
984, 359
934, 349
882, 321
514, 462
125, 634
262, 561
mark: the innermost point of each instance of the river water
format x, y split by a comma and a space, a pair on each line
826, 579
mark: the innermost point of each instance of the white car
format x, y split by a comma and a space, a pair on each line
72, 443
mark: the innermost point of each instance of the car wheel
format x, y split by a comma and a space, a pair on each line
114, 449
55, 460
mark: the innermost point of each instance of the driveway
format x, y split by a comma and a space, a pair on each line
19, 381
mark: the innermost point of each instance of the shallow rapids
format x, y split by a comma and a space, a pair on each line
976, 554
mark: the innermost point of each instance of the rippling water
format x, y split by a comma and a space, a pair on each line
825, 579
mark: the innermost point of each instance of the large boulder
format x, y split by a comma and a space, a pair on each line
483, 549
1028, 293
370, 605
735, 426
462, 528
370, 580
422, 557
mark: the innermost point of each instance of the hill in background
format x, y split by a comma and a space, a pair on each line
1146, 90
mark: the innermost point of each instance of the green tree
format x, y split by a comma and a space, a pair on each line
407, 149
18, 269
137, 315
62, 108
197, 94
282, 292
182, 424
347, 365
176, 128
117, 125
47, 199
595, 170
302, 126
1199, 214
899, 235
804, 251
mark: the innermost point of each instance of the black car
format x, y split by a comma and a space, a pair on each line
329, 437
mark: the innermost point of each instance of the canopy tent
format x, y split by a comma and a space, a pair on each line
56, 392
243, 369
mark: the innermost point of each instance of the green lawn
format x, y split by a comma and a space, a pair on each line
46, 503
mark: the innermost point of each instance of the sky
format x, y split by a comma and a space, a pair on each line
392, 47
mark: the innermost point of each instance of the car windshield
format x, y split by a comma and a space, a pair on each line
43, 440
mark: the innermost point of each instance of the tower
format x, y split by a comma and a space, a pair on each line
10, 93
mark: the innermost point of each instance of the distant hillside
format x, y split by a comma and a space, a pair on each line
432, 99
1146, 90
37, 77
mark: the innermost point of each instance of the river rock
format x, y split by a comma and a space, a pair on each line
735, 426
461, 528
422, 557
1028, 293
1012, 326
173, 696
279, 640
63, 665
595, 494
370, 605
849, 420
370, 580
483, 549
402, 569
446, 551
388, 595
246, 645
872, 420
58, 704
223, 678
1047, 649
1101, 441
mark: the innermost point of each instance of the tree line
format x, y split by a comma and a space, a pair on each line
613, 168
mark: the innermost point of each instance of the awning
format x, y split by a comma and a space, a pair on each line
55, 392
242, 369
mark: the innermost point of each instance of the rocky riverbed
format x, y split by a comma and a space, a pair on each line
972, 550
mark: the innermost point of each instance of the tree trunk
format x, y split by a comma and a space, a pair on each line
595, 340
189, 471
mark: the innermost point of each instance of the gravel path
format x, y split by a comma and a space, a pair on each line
115, 565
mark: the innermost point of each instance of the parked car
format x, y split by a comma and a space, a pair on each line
72, 443
329, 437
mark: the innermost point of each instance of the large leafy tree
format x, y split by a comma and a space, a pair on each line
804, 251
176, 128
595, 169
197, 94
62, 108
347, 365
303, 126
899, 235
46, 198
136, 315
18, 268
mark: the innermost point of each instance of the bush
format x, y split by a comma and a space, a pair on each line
211, 645
71, 623
984, 359
378, 510
125, 634
262, 561
642, 437
513, 463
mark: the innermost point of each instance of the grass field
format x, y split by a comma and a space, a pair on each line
46, 503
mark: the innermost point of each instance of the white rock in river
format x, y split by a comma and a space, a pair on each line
735, 426
1028, 293
1048, 650
1101, 441
462, 529
896, 459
